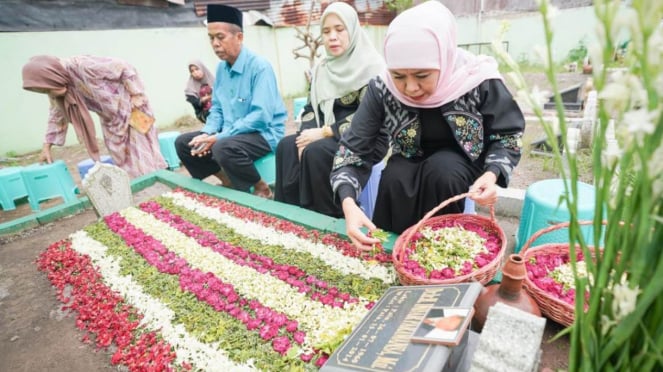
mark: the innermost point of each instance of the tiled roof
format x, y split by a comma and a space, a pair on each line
243, 5
295, 12
371, 12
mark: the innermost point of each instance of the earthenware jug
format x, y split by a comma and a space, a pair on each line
510, 292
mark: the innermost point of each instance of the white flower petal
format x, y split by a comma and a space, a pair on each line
268, 235
318, 320
156, 315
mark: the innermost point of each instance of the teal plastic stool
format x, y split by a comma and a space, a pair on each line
167, 147
12, 187
85, 165
48, 181
266, 166
541, 209
297, 106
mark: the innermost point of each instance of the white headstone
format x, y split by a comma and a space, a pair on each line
590, 112
510, 341
590, 115
109, 188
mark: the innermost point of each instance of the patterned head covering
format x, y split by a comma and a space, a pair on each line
193, 85
46, 72
424, 37
335, 77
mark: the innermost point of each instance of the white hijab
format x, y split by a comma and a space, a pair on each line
335, 77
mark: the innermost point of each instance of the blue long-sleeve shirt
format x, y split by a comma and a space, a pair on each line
246, 99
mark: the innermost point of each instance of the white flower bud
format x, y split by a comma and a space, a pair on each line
626, 20
516, 79
639, 95
550, 15
539, 97
639, 123
653, 14
624, 299
611, 153
655, 50
615, 95
606, 324
658, 84
599, 30
656, 172
595, 54
656, 167
542, 54
532, 100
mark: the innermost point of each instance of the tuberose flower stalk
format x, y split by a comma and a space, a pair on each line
617, 320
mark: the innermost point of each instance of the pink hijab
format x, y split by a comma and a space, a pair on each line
46, 72
424, 37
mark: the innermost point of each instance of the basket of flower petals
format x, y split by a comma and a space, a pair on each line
448, 249
550, 279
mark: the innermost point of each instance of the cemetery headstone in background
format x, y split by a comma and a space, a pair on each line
109, 189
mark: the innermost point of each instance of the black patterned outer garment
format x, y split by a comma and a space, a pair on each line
305, 182
435, 153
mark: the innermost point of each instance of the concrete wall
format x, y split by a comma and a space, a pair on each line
525, 30
161, 57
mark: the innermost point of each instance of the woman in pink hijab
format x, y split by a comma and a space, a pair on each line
450, 121
109, 87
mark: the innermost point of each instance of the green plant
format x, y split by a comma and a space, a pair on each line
578, 53
622, 328
524, 65
550, 164
398, 5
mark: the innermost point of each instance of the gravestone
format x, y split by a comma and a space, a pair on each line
381, 342
589, 117
109, 188
510, 341
571, 99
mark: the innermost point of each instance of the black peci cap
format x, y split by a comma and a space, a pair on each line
224, 13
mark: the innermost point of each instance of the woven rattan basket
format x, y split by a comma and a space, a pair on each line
483, 274
551, 307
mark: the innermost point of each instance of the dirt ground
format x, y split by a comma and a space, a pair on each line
35, 335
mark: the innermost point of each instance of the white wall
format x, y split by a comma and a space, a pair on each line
525, 30
161, 57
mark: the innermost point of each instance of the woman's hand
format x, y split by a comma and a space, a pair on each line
354, 220
137, 101
484, 190
46, 156
308, 136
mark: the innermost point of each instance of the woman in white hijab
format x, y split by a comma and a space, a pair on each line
304, 160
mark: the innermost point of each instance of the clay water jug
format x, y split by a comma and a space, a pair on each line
510, 292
